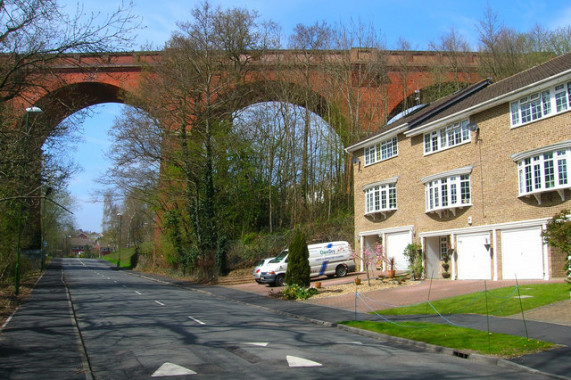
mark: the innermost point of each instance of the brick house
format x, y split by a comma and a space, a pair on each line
477, 174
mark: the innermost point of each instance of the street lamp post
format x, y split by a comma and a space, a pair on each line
120, 230
17, 274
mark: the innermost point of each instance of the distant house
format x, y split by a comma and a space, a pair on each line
477, 174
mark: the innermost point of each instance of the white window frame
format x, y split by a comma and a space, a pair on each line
448, 137
548, 102
448, 191
544, 170
381, 197
381, 151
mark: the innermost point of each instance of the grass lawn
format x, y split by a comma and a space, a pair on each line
496, 302
459, 338
124, 254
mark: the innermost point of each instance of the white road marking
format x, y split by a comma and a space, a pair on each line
260, 344
170, 369
6, 323
160, 303
196, 320
294, 361
139, 293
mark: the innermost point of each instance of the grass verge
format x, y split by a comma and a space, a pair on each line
498, 302
459, 338
123, 256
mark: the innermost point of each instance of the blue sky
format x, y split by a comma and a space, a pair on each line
418, 22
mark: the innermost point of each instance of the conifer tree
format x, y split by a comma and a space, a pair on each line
298, 269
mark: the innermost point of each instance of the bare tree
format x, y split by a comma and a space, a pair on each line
33, 35
453, 50
192, 94
504, 51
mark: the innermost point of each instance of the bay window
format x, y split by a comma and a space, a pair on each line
541, 104
545, 169
381, 197
448, 191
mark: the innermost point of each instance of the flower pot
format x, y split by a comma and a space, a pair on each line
391, 273
318, 285
357, 281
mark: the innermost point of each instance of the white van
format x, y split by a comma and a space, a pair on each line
330, 259
259, 268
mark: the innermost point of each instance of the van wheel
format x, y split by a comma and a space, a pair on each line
279, 280
341, 271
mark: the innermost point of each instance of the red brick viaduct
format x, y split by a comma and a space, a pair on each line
78, 81
107, 77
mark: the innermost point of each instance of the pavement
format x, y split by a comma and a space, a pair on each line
24, 338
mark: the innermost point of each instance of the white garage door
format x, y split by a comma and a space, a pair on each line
474, 261
522, 254
396, 243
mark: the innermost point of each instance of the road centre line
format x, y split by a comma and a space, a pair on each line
196, 320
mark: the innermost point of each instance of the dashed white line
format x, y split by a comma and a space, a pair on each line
196, 320
160, 303
139, 293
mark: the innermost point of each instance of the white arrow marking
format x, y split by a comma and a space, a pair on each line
294, 361
170, 369
261, 344
196, 320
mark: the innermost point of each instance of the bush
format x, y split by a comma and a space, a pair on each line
413, 253
558, 235
298, 269
296, 292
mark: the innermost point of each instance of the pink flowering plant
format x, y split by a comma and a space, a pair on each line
370, 259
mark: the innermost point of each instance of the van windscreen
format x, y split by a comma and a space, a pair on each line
280, 257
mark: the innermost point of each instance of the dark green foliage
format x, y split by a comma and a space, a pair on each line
134, 260
413, 252
296, 292
558, 234
221, 257
298, 269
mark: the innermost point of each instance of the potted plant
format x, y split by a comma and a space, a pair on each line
391, 267
446, 264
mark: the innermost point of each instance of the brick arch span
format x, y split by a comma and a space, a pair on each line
273, 91
65, 101
394, 78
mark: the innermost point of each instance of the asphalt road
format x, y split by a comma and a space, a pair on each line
129, 327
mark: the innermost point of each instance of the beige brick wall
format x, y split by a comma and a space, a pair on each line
494, 177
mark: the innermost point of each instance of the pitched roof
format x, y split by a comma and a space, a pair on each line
474, 96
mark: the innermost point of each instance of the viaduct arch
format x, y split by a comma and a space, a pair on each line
379, 83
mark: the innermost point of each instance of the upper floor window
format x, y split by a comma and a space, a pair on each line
448, 191
381, 197
446, 137
381, 151
546, 169
541, 104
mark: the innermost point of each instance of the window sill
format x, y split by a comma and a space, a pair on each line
378, 214
537, 194
446, 211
